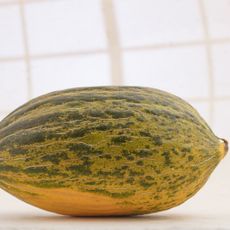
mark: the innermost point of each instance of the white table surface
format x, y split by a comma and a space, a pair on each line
197, 213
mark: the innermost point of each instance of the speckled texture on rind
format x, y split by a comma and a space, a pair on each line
112, 141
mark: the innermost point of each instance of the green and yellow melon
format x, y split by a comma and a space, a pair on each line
102, 151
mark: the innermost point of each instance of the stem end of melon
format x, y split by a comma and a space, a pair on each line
223, 147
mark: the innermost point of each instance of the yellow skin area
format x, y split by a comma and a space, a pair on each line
153, 153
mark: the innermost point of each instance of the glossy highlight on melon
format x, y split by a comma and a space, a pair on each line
111, 150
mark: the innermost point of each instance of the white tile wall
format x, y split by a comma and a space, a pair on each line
2, 115
203, 108
61, 73
65, 26
13, 87
221, 119
11, 43
182, 71
7, 1
143, 22
218, 15
221, 69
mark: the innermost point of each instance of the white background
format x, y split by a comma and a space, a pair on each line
181, 46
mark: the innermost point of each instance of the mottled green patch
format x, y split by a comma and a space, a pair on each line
157, 140
145, 184
163, 113
74, 104
140, 118
121, 132
18, 151
117, 140
119, 113
118, 173
51, 158
87, 163
48, 183
191, 179
9, 168
97, 152
36, 169
104, 127
85, 158
123, 126
103, 173
130, 158
130, 180
143, 153
55, 172
52, 135
80, 148
181, 178
186, 150
26, 139
74, 115
30, 123
128, 124
90, 183
140, 163
77, 133
158, 171
166, 178
175, 151
107, 156
96, 113
91, 97
59, 100
118, 157
145, 133
195, 168
173, 187
80, 169
112, 194
127, 154
149, 178
129, 98
167, 158
122, 194
135, 173
55, 158
190, 158
123, 167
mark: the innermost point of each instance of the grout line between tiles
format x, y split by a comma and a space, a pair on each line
54, 55
222, 98
114, 49
164, 46
8, 3
103, 51
208, 46
176, 45
219, 40
196, 99
67, 54
26, 49
11, 59
15, 2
